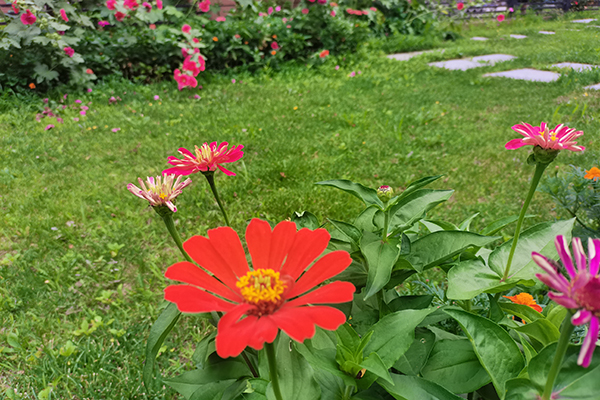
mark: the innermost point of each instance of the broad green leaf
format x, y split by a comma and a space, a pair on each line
367, 195
296, 377
413, 207
205, 348
539, 238
524, 312
454, 365
305, 219
418, 184
437, 247
466, 224
257, 389
44, 74
443, 225
569, 372
528, 350
499, 224
394, 334
496, 350
347, 232
413, 388
417, 354
411, 302
159, 331
374, 364
381, 257
470, 278
364, 221
332, 386
496, 313
585, 388
541, 330
355, 274
555, 314
520, 389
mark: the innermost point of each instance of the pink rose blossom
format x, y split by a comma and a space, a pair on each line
559, 138
28, 18
206, 158
63, 15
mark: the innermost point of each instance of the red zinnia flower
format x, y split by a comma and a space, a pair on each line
207, 158
460, 6
272, 295
28, 18
324, 53
152, 26
119, 16
500, 17
274, 46
111, 4
559, 138
305, 11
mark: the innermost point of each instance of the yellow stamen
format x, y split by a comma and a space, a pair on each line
262, 285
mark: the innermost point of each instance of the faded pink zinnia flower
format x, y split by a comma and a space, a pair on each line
147, 5
500, 17
160, 192
186, 28
332, 13
28, 18
63, 15
103, 23
220, 19
207, 158
278, 8
581, 293
48, 127
270, 10
460, 6
305, 11
560, 138
69, 51
274, 46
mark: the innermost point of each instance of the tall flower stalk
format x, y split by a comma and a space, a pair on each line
547, 144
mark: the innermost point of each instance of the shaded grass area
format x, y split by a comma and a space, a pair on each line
82, 260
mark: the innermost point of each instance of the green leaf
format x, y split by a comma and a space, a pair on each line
470, 278
296, 377
418, 184
417, 354
205, 348
43, 73
413, 388
394, 334
375, 365
347, 232
305, 219
381, 257
367, 195
364, 221
159, 331
499, 224
466, 224
413, 207
332, 386
539, 238
454, 365
411, 302
541, 330
435, 248
520, 389
522, 311
555, 314
528, 350
496, 350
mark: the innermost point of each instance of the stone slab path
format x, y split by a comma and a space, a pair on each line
546, 32
584, 21
408, 56
527, 74
576, 66
518, 36
593, 87
475, 62
479, 38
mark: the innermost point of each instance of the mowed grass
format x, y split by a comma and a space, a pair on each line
82, 259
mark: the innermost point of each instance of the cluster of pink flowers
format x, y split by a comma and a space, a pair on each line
357, 12
127, 5
193, 62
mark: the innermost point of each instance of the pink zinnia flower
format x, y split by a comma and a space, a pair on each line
581, 293
48, 127
131, 4
160, 192
159, 4
220, 19
156, 97
270, 10
305, 11
460, 6
83, 112
500, 17
28, 18
119, 16
103, 23
204, 6
332, 13
63, 15
184, 80
352, 74
559, 138
111, 4
147, 5
115, 130
186, 28
274, 46
207, 158
277, 8
322, 1
69, 51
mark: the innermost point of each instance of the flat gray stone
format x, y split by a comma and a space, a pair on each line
528, 74
576, 66
408, 56
546, 32
593, 87
475, 62
479, 38
583, 21
518, 36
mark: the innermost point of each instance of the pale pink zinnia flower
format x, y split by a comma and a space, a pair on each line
160, 192
560, 138
581, 293
207, 158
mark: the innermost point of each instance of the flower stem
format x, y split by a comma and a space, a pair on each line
348, 392
563, 342
167, 216
539, 171
386, 224
210, 177
270, 349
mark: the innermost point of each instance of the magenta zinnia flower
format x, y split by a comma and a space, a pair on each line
581, 293
160, 192
560, 138
207, 158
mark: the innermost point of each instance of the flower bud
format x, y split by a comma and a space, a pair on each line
544, 156
385, 193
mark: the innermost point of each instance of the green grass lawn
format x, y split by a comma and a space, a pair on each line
82, 259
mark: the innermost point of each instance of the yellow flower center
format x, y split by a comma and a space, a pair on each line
261, 286
162, 195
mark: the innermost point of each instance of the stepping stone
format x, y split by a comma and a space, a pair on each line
475, 62
593, 87
583, 21
518, 36
408, 56
478, 38
576, 66
528, 74
546, 32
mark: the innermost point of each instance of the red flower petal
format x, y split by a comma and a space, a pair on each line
225, 170
227, 243
251, 331
299, 323
335, 292
269, 249
193, 300
189, 273
202, 251
307, 246
327, 267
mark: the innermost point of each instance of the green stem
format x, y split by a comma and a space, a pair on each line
247, 360
170, 224
270, 349
386, 224
539, 171
348, 392
210, 177
563, 342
